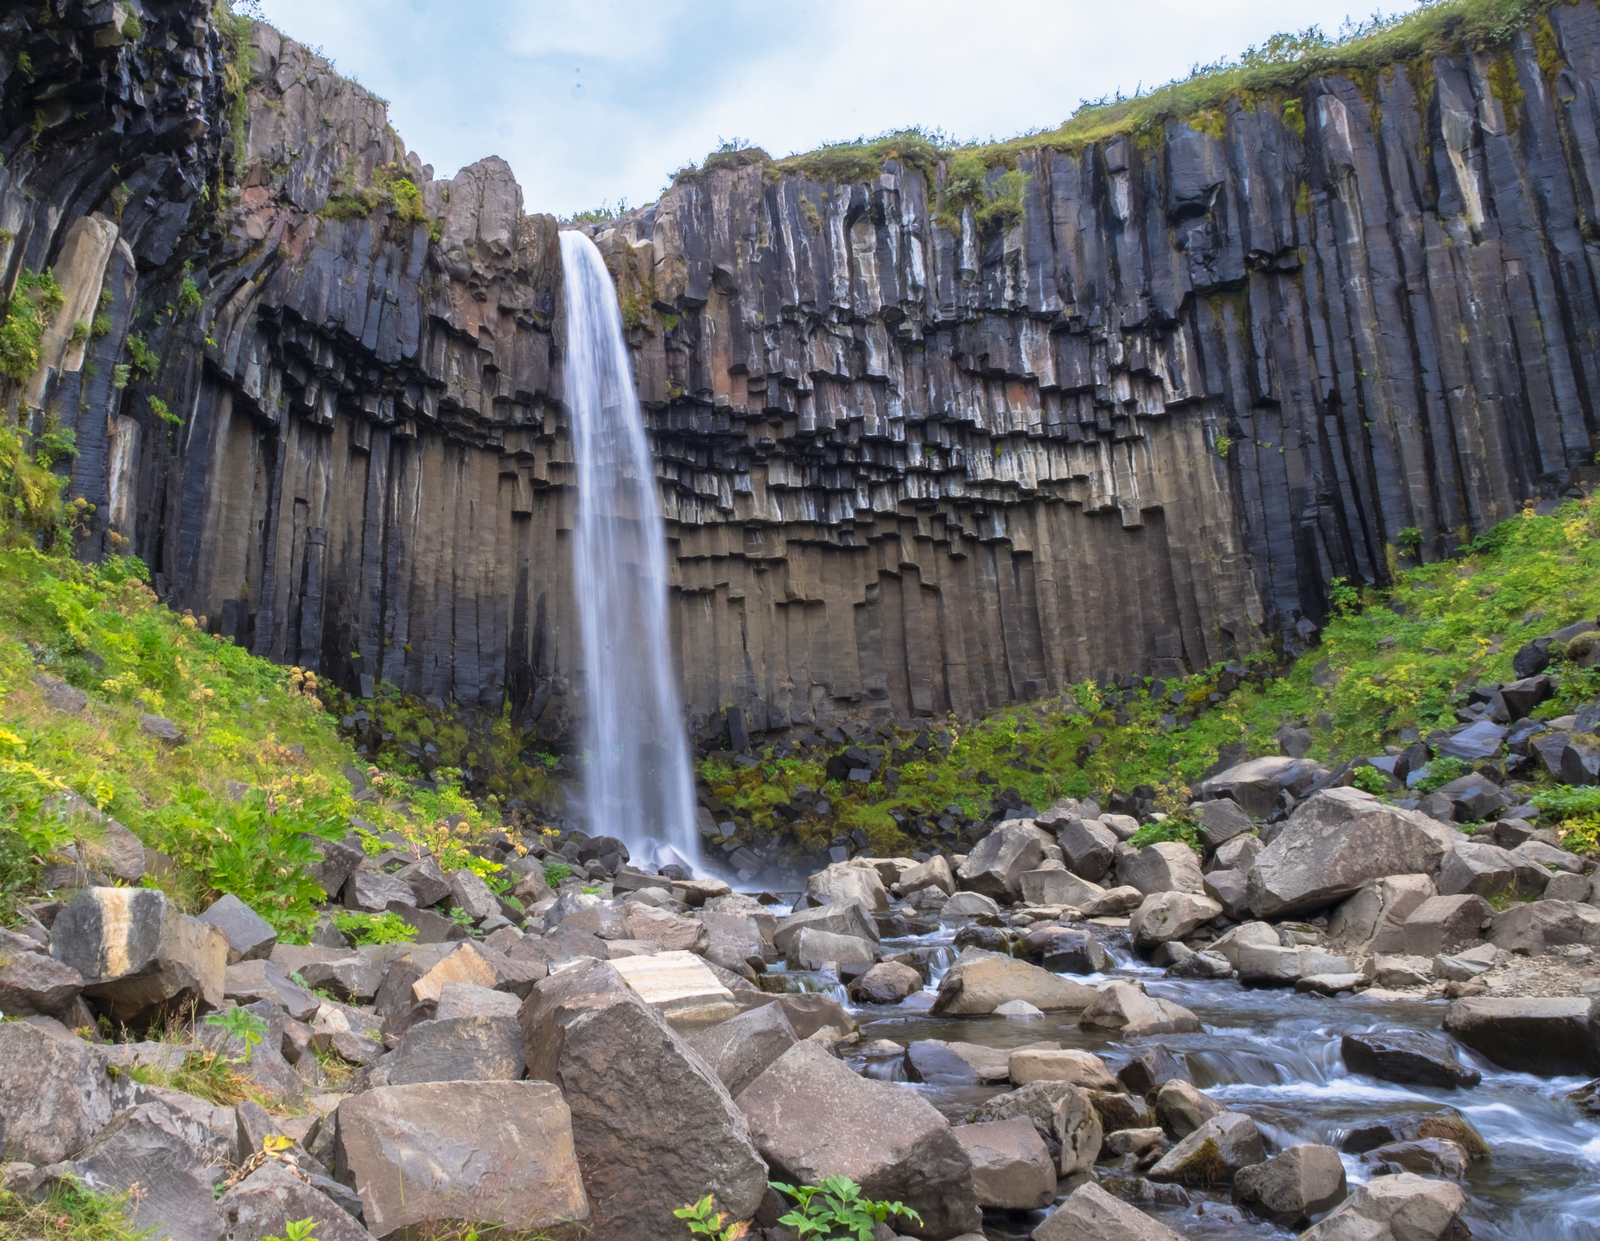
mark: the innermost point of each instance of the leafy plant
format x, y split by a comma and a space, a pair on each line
836, 1208
189, 296
705, 1220
1174, 827
144, 358
296, 1230
159, 408
1439, 773
69, 1213
36, 300
242, 1024
1409, 541
384, 928
1224, 445
1370, 780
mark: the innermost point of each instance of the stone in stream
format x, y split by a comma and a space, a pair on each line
1395, 1208
1441, 924
654, 1127
259, 1206
848, 881
1169, 866
1125, 1008
996, 864
814, 950
1057, 1064
843, 918
1166, 916
958, 1064
1230, 943
1181, 1109
1091, 1214
811, 1116
1066, 950
250, 936
1133, 1141
1087, 847
1528, 1035
979, 982
1426, 1157
810, 1011
1118, 1110
887, 982
138, 954
1291, 1187
1213, 1153
1011, 1167
1275, 965
740, 1048
460, 1152
1151, 1068
1446, 1123
1336, 841
148, 1147
1407, 1057
1061, 1113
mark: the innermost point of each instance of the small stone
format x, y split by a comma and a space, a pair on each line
162, 729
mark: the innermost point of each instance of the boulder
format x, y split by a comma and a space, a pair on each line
996, 864
250, 981
1169, 866
888, 982
138, 954
426, 881
934, 873
1067, 950
1011, 1166
32, 983
1116, 903
1258, 785
1489, 870
1219, 821
1536, 928
847, 881
1407, 1057
1446, 1123
969, 905
371, 891
54, 1092
1231, 890
1231, 943
811, 1011
734, 941
1289, 1188
1124, 1007
1444, 923
1395, 1208
464, 999
148, 1147
811, 1117
460, 1152
1091, 1214
842, 918
351, 977
653, 1125
261, 1204
1426, 1157
1373, 919
1399, 970
1133, 1141
471, 895
484, 1049
680, 986
1528, 1035
1473, 798
1567, 887
1087, 848
1151, 1068
1462, 966
1213, 1153
1059, 887
814, 950
1543, 853
1276, 966
250, 936
1055, 1064
979, 982
1166, 916
1181, 1109
667, 930
1336, 841
1239, 854
1061, 1113
740, 1048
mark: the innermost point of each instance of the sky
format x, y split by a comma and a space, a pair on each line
596, 101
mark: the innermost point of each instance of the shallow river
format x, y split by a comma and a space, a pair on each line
1275, 1055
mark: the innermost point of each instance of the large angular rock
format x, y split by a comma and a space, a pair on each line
1231, 890
1536, 928
1333, 843
1169, 866
969, 905
1395, 1208
734, 941
1213, 1153
463, 1152
351, 977
1091, 1214
274, 1194
1246, 935
813, 950
667, 930
1446, 1124
1488, 870
979, 982
1059, 887
1165, 916
1528, 1035
996, 864
840, 918
1444, 923
848, 881
1067, 950
148, 1146
1059, 1064
1438, 1157
811, 1011
32, 983
250, 981
371, 891
1181, 1108
812, 1117
475, 964
1257, 786
481, 1049
138, 954
1061, 1113
740, 1049
1011, 1166
934, 873
680, 986
1289, 1188
1087, 847
653, 1124
955, 1063
1220, 821
1373, 920
54, 1092
250, 936
1124, 1007
1408, 1057
888, 982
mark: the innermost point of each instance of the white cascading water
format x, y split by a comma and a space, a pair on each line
638, 785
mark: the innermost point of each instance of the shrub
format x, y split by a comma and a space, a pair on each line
836, 1208
36, 300
384, 928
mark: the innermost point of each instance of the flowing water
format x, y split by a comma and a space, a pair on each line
638, 785
1275, 1056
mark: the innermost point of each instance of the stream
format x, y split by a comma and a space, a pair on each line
1274, 1055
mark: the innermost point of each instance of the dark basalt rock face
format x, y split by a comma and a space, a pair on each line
906, 468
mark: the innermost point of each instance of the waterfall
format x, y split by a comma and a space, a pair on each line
637, 781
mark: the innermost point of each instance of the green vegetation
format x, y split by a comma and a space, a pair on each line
704, 1220
555, 872
238, 49
68, 1214
296, 1230
836, 1208
1577, 815
33, 508
36, 300
390, 189
384, 928
158, 407
189, 301
145, 361
241, 1024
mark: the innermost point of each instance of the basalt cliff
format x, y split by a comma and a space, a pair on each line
910, 463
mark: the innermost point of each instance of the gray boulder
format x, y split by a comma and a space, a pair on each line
1336, 841
1258, 785
250, 981
888, 982
470, 894
740, 1049
1214, 1153
458, 1049
250, 936
1055, 886
1441, 924
1239, 854
1166, 916
461, 1152
934, 873
138, 954
1169, 866
32, 983
1181, 1109
1488, 870
1087, 847
1396, 1208
1528, 1035
1067, 950
262, 1203
1446, 1124
54, 1092
1091, 1214
813, 949
1231, 890
812, 1117
1220, 821
979, 982
1373, 920
840, 918
1536, 928
148, 1146
1011, 1166
848, 881
1407, 1057
1438, 1157
1124, 1007
371, 891
996, 864
1288, 1189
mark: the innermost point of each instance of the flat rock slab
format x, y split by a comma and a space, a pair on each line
979, 982
680, 986
1543, 1036
467, 1152
148, 1146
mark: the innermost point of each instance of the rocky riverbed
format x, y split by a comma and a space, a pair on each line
1357, 1021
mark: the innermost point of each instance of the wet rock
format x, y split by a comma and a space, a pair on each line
1289, 1188
1270, 966
1426, 1157
1213, 1153
1407, 1057
888, 982
250, 936
1441, 924
1445, 1123
1489, 870
814, 950
250, 981
740, 1048
32, 983
1059, 887
54, 1092
1054, 1064
810, 1116
843, 918
1202, 965
681, 987
460, 1152
1124, 1007
1181, 1109
1395, 1208
848, 881
996, 864
1118, 1110
1220, 821
484, 1049
979, 982
630, 1107
1230, 943
811, 1011
1091, 1214
1373, 920
1087, 847
956, 1063
1166, 916
1528, 1035
1066, 950
1133, 1141
137, 954
1333, 843
1533, 929
259, 1206
1011, 1167
1329, 984
1060, 1113
989, 938
148, 1146
1150, 1069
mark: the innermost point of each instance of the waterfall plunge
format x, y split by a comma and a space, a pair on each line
637, 782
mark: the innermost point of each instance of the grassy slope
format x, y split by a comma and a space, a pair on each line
1401, 661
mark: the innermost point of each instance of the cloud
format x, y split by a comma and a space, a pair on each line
603, 99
